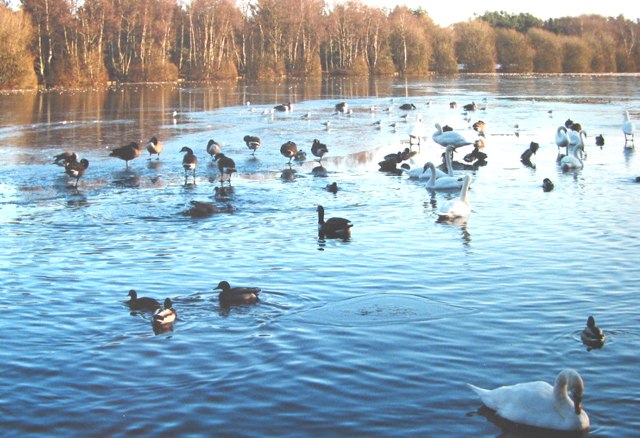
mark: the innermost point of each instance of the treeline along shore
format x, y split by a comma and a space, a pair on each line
66, 43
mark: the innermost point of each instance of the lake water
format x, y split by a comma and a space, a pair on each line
373, 336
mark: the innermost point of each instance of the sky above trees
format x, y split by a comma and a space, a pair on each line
444, 13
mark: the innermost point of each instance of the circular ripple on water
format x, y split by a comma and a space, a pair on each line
382, 310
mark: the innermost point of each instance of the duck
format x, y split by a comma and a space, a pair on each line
525, 158
213, 148
65, 157
600, 140
457, 208
284, 107
166, 315
572, 160
142, 303
547, 185
470, 106
333, 187
592, 335
453, 104
236, 295
335, 227
189, 163
127, 152
629, 129
76, 169
319, 149
407, 107
200, 209
479, 127
226, 166
476, 155
154, 147
252, 142
289, 150
538, 404
446, 138
301, 155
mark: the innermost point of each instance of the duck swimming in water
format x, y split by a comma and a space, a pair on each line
166, 315
236, 295
592, 335
142, 303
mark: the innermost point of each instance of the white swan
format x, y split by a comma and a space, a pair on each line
445, 182
423, 172
572, 160
576, 138
457, 207
449, 138
418, 129
539, 404
629, 129
562, 137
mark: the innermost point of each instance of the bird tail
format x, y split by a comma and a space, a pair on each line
477, 390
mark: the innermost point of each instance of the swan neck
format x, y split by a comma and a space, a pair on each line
447, 157
464, 191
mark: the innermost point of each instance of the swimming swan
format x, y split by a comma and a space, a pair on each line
445, 182
449, 137
539, 404
572, 159
457, 207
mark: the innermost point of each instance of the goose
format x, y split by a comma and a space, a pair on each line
628, 128
201, 209
446, 138
289, 150
76, 169
335, 227
592, 335
458, 207
407, 107
342, 107
142, 303
189, 163
300, 156
445, 182
65, 157
236, 295
319, 149
252, 142
166, 315
226, 166
284, 107
572, 160
213, 148
547, 185
127, 152
538, 404
154, 147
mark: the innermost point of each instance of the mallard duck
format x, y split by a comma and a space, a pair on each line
252, 142
166, 315
319, 149
538, 404
236, 295
213, 148
142, 303
154, 147
284, 107
592, 335
76, 169
127, 152
189, 163
479, 127
335, 227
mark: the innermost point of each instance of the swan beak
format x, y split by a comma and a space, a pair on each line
577, 403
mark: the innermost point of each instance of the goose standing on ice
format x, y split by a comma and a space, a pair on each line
538, 404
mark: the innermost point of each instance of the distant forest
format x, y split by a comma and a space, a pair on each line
73, 43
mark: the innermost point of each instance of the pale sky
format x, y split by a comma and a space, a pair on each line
446, 12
